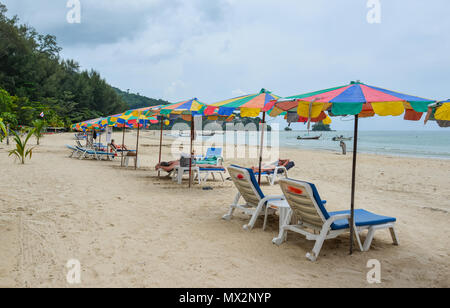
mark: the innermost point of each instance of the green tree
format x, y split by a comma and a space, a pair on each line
34, 78
321, 127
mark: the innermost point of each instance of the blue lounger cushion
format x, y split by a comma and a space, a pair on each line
90, 152
212, 169
362, 218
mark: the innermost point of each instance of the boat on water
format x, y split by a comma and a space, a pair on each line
309, 137
207, 134
341, 138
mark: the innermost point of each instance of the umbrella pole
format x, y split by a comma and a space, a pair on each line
137, 145
352, 210
123, 143
261, 148
190, 158
160, 146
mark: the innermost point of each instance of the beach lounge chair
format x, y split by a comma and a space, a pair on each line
118, 150
211, 164
276, 170
211, 153
168, 167
206, 171
132, 156
74, 151
318, 225
99, 155
248, 188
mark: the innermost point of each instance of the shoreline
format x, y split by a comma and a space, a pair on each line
327, 150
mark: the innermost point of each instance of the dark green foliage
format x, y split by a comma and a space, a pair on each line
38, 80
3, 131
135, 101
320, 127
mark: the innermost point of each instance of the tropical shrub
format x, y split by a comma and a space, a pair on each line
3, 131
21, 151
38, 130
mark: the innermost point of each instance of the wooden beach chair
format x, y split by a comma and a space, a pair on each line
317, 224
248, 188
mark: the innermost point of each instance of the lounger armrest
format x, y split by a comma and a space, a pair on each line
334, 218
280, 168
271, 198
220, 161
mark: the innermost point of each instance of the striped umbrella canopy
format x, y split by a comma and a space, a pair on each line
189, 107
153, 111
249, 105
356, 99
443, 111
439, 112
87, 125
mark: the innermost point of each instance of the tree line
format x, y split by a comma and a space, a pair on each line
35, 80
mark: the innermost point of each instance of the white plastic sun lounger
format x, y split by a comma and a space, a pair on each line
85, 153
277, 173
318, 225
248, 188
75, 152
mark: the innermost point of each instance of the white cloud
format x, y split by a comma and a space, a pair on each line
216, 49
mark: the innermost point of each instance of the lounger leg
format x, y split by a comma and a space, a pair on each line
394, 236
369, 238
358, 239
221, 175
232, 208
318, 245
274, 178
255, 216
265, 218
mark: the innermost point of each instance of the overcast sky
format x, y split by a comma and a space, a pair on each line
217, 49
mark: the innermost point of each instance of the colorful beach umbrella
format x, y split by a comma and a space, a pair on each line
356, 99
249, 105
187, 110
190, 107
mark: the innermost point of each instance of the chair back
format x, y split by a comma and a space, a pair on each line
245, 181
305, 202
213, 152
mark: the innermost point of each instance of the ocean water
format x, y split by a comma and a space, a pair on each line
424, 144
431, 144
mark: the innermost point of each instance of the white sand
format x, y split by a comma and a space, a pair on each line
129, 228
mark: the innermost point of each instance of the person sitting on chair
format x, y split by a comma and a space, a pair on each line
118, 147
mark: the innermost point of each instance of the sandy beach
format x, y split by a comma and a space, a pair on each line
132, 229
